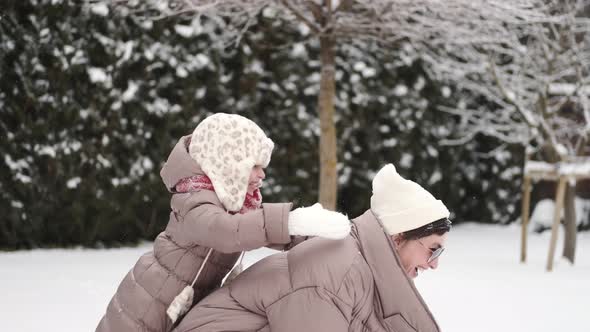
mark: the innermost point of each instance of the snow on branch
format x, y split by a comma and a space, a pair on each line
434, 21
538, 76
528, 59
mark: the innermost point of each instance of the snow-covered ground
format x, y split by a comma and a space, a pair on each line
479, 286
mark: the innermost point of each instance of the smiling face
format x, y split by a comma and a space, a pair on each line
415, 254
255, 180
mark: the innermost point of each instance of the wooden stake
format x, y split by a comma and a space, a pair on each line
559, 198
526, 201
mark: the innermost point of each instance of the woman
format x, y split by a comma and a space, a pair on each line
361, 283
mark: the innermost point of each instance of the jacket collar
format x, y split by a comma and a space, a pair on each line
396, 291
179, 165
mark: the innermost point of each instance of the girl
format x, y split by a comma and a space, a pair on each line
214, 177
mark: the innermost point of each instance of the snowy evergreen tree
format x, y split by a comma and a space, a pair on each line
93, 99
90, 107
389, 113
449, 24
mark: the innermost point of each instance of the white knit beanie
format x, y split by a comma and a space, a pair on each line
402, 205
227, 147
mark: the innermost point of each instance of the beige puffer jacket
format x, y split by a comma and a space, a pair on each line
197, 222
354, 284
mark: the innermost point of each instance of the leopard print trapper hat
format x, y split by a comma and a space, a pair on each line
227, 147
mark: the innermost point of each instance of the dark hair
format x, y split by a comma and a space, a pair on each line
438, 227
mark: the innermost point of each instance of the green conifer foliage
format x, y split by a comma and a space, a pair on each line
92, 99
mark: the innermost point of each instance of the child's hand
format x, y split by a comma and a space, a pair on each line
317, 221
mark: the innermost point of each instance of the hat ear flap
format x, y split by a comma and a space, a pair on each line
231, 185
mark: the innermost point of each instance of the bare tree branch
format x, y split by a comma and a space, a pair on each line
299, 15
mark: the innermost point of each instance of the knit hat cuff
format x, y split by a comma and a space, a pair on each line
405, 220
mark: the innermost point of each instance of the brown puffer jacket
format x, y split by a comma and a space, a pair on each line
354, 284
197, 222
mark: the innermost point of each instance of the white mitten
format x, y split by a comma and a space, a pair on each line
317, 221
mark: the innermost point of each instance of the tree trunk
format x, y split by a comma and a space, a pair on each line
569, 246
328, 161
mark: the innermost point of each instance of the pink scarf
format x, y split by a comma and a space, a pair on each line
192, 183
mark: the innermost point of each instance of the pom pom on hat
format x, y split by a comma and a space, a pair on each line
402, 205
227, 147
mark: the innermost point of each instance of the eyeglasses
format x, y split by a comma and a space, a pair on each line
434, 254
